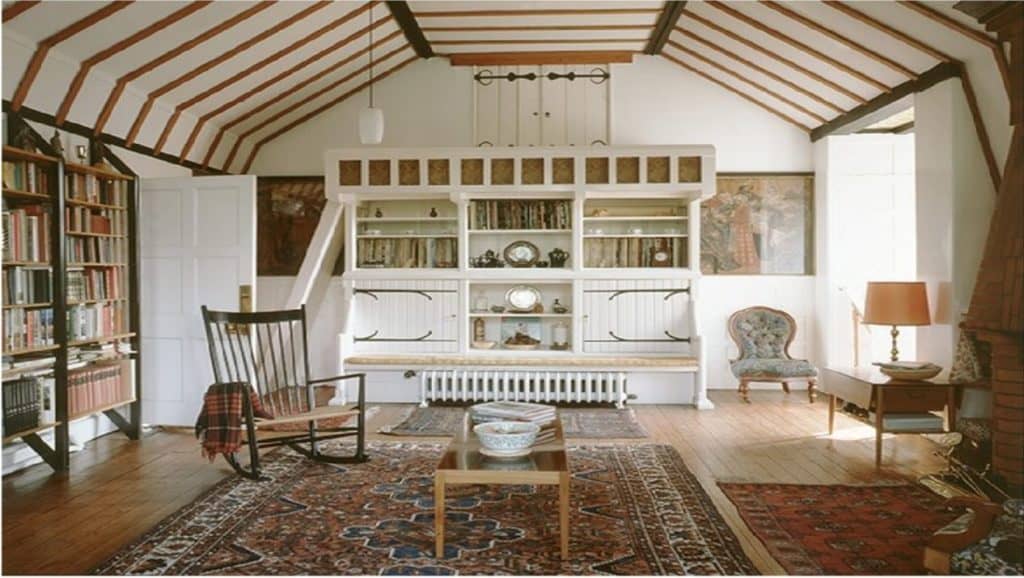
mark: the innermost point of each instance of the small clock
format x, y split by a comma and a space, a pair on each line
661, 255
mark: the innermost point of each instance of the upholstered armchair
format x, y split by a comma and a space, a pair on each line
763, 335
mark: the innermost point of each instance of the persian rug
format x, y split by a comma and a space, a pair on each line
635, 510
837, 529
603, 423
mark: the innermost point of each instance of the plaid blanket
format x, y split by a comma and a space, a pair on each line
220, 423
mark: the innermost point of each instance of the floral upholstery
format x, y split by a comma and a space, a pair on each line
998, 554
762, 335
770, 368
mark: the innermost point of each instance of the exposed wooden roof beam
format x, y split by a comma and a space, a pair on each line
140, 118
407, 22
248, 71
803, 47
544, 12
746, 80
526, 28
122, 82
90, 133
894, 32
739, 93
499, 41
322, 108
826, 31
933, 76
979, 127
270, 82
44, 46
978, 36
753, 65
16, 8
118, 47
294, 88
309, 98
533, 58
663, 27
776, 56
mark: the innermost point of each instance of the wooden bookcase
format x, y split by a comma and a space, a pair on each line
89, 350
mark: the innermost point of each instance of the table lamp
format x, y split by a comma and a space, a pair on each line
896, 303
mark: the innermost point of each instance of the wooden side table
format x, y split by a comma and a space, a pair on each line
869, 388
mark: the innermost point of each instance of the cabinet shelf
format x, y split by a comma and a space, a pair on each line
638, 218
408, 236
29, 350
16, 436
103, 235
405, 219
502, 315
15, 153
32, 264
90, 204
102, 408
104, 339
27, 196
520, 232
636, 236
28, 305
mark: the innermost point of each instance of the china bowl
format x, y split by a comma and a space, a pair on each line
911, 374
506, 436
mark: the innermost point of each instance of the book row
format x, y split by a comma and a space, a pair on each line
407, 253
537, 214
26, 285
96, 250
96, 387
27, 328
28, 403
26, 235
92, 189
26, 176
89, 220
94, 284
96, 320
634, 252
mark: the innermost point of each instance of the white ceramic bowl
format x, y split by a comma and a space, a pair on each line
506, 436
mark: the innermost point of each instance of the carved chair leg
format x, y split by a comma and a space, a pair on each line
812, 389
744, 390
785, 387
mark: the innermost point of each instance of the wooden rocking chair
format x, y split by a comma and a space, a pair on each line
268, 351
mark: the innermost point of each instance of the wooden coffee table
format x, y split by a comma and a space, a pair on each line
463, 463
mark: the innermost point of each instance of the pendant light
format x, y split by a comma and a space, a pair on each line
371, 120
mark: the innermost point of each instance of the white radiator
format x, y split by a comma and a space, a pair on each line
536, 386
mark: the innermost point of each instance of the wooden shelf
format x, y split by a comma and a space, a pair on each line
27, 196
28, 350
104, 235
16, 436
35, 264
95, 171
15, 153
520, 232
28, 305
636, 236
87, 264
446, 236
93, 301
499, 315
81, 203
405, 219
12, 373
101, 409
638, 218
105, 339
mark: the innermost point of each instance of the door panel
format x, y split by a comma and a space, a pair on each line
198, 244
406, 316
634, 316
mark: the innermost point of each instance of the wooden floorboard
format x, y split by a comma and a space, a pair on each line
118, 489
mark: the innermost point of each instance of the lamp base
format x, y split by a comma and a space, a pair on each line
894, 354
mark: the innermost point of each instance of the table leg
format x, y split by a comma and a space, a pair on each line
831, 413
951, 408
439, 514
563, 513
879, 422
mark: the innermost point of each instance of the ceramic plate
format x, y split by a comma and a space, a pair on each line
522, 298
522, 254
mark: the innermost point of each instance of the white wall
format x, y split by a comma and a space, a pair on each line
955, 199
653, 101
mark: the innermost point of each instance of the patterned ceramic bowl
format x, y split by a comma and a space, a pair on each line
912, 374
506, 436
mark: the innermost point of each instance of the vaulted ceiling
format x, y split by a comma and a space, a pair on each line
207, 83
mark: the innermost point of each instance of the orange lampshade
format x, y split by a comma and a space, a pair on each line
896, 303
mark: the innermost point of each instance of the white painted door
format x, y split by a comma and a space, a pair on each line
198, 246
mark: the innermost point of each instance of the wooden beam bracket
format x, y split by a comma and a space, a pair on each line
413, 33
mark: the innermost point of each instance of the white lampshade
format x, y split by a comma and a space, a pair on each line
371, 126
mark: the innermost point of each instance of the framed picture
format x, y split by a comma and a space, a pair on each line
287, 213
759, 224
520, 332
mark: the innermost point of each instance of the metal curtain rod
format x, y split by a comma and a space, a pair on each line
480, 77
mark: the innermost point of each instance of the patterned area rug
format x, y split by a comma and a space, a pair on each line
635, 510
842, 529
604, 423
